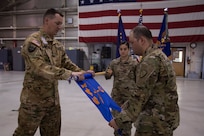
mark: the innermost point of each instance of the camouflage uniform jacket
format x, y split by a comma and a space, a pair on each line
46, 63
124, 78
154, 102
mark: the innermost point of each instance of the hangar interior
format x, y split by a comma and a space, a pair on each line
19, 18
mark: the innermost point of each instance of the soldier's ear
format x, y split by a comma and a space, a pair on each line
142, 40
46, 19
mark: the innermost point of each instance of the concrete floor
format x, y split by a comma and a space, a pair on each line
81, 118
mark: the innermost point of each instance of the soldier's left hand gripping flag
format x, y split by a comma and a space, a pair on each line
98, 96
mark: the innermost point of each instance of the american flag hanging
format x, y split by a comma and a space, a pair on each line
98, 19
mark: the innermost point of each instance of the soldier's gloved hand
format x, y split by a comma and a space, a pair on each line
78, 75
92, 72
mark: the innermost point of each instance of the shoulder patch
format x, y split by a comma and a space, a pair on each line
31, 48
36, 42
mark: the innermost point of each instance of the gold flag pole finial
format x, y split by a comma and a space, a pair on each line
119, 12
141, 8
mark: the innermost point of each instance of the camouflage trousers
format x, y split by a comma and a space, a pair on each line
126, 127
151, 134
47, 119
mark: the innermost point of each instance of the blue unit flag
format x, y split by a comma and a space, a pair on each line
98, 96
163, 39
121, 34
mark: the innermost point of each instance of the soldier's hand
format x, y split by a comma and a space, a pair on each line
113, 124
109, 72
78, 75
92, 72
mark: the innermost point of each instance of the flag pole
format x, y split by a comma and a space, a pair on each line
166, 23
100, 73
121, 36
140, 18
141, 9
167, 39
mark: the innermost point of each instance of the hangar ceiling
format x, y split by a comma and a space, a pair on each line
7, 5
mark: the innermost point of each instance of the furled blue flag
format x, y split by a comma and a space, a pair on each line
163, 38
121, 34
98, 96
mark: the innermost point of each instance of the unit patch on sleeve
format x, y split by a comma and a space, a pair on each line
31, 48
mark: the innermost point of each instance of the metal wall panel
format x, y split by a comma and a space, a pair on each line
71, 3
24, 33
20, 43
29, 20
28, 5
44, 4
6, 21
6, 33
40, 4
71, 32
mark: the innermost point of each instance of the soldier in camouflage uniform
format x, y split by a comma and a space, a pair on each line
46, 63
123, 70
154, 101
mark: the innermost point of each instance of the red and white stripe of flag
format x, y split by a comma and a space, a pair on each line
99, 23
